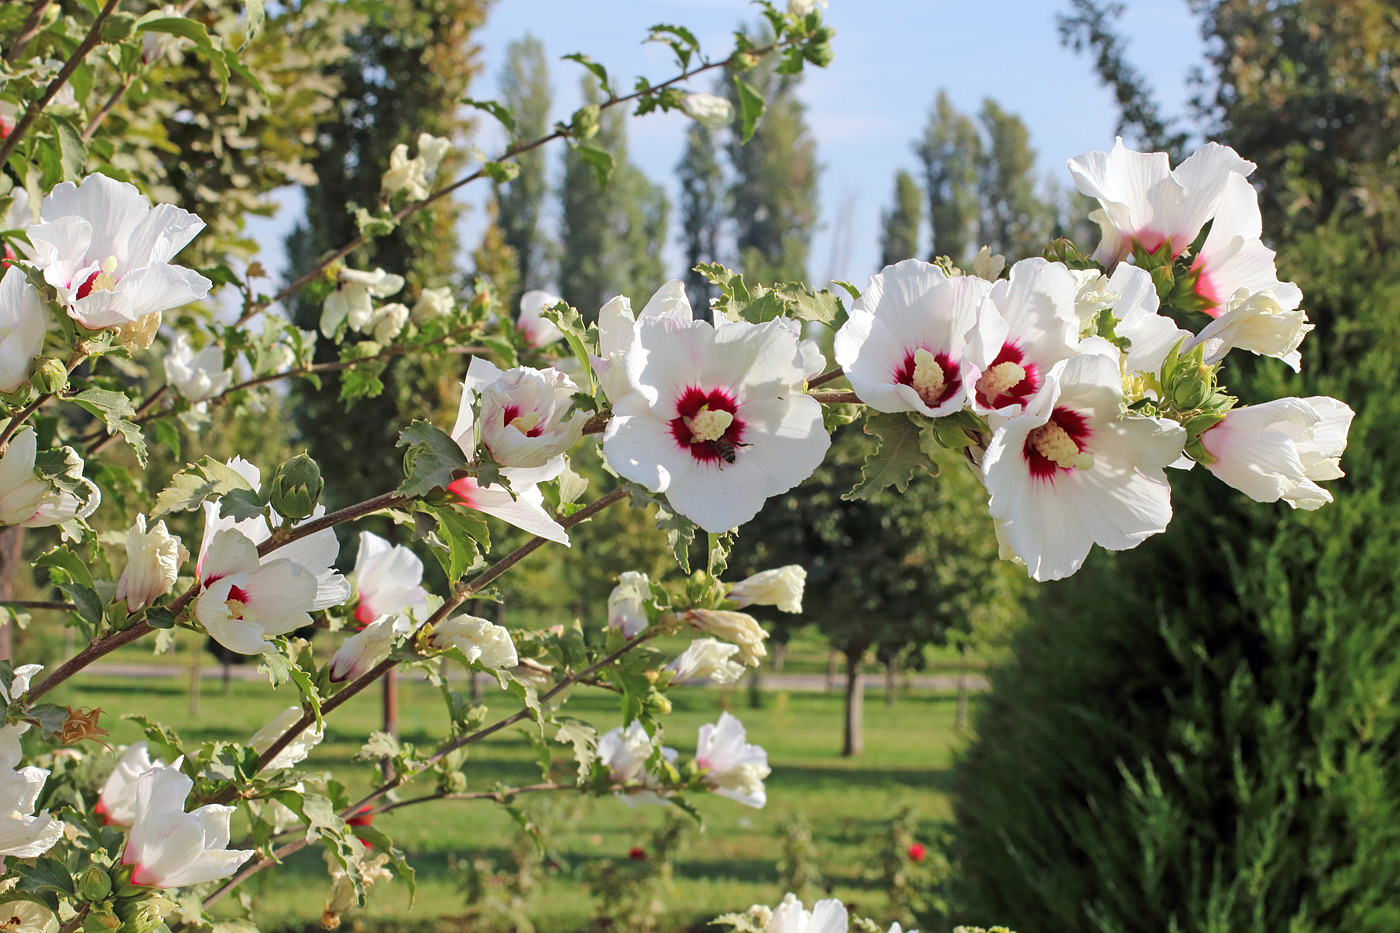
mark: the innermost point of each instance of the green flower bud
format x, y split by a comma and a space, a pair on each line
94, 884
454, 782
143, 914
296, 488
101, 921
1190, 393
49, 375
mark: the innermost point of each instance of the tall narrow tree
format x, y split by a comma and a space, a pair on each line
613, 232
524, 88
902, 221
773, 201
702, 210
951, 152
1015, 219
405, 75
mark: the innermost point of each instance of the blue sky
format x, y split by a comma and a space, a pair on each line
866, 109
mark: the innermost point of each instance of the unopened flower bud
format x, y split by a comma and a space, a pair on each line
1191, 392
296, 488
94, 884
50, 376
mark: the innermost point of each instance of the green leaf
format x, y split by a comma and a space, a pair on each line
116, 411
167, 434
459, 532
581, 338
185, 28
600, 160
70, 575
751, 107
256, 16
242, 504
49, 716
72, 151
159, 617
895, 460
504, 114
598, 70
189, 488
431, 461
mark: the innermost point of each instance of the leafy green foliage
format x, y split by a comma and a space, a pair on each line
432, 460
897, 458
197, 482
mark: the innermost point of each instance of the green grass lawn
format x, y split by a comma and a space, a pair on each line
847, 802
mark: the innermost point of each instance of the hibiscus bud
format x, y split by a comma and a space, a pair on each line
296, 488
94, 884
102, 921
738, 628
152, 563
709, 110
781, 587
142, 915
50, 376
1190, 393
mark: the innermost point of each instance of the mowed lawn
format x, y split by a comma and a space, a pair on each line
847, 802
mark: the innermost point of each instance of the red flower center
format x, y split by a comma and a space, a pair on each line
364, 614
951, 382
695, 403
238, 594
638, 854
510, 412
1052, 448
1014, 393
85, 289
917, 851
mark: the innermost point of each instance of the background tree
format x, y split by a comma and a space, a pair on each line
520, 203
405, 75
701, 178
1015, 221
894, 573
902, 221
1236, 765
773, 200
613, 232
951, 153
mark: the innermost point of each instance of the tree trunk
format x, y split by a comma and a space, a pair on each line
195, 678
477, 691
11, 546
891, 679
960, 722
780, 651
855, 703
833, 659
391, 714
228, 676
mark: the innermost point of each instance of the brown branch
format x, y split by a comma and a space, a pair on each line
836, 398
28, 31
38, 604
388, 500
831, 375
32, 112
101, 115
82, 659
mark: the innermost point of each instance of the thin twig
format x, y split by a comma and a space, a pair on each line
38, 604
31, 113
836, 398
831, 375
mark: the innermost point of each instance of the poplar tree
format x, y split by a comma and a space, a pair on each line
773, 199
902, 221
520, 203
702, 210
951, 153
613, 231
